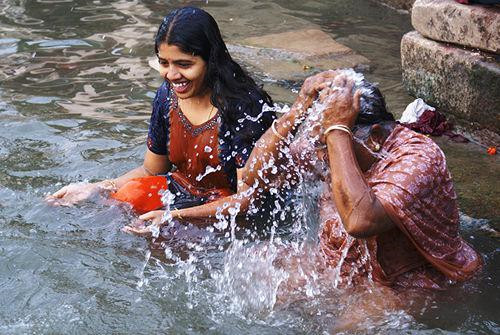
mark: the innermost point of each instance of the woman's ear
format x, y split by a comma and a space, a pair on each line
377, 136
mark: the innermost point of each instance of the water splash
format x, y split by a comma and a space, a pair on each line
257, 271
208, 170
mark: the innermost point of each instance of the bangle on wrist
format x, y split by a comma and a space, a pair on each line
273, 127
148, 171
340, 127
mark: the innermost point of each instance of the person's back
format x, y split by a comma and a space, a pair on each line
424, 248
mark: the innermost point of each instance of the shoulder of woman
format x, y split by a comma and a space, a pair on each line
406, 141
245, 104
162, 96
163, 90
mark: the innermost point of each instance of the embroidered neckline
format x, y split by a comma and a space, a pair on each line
194, 130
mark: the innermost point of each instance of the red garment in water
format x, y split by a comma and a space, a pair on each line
424, 249
144, 194
194, 151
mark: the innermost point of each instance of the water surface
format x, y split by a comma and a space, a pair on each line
75, 97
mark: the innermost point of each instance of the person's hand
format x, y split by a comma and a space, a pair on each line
72, 194
148, 225
341, 106
312, 86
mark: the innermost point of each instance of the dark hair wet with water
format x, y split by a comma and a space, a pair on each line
372, 106
196, 32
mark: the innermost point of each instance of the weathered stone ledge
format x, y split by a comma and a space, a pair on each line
294, 55
461, 82
474, 26
398, 4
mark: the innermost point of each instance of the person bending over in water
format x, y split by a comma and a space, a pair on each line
389, 209
207, 116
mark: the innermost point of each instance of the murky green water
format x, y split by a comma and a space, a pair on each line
75, 98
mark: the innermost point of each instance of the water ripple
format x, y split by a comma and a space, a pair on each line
101, 17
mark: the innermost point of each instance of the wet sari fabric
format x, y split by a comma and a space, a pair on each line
425, 249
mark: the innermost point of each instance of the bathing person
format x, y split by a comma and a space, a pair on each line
391, 197
207, 116
389, 209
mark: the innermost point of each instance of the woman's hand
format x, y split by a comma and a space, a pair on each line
341, 107
72, 194
141, 228
156, 220
310, 89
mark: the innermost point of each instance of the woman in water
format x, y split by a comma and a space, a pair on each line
207, 116
388, 210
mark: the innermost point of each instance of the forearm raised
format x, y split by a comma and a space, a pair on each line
268, 151
361, 212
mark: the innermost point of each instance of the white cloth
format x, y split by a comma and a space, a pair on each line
414, 110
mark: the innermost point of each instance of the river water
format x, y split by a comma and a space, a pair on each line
75, 97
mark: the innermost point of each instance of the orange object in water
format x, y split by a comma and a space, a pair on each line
142, 193
492, 151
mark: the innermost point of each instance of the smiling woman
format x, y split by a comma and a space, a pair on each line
207, 116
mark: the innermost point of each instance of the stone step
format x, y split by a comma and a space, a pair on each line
463, 83
474, 26
294, 55
399, 4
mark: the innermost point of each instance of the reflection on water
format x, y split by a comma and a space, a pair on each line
75, 96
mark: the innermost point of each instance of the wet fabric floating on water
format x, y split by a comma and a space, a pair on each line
425, 119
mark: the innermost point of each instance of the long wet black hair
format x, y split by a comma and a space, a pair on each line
195, 32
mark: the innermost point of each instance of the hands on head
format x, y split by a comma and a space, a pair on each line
341, 105
334, 90
311, 87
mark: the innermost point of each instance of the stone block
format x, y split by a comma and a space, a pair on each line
473, 26
463, 83
294, 55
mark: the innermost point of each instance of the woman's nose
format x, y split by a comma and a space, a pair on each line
172, 73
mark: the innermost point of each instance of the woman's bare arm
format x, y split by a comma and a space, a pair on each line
153, 164
361, 212
268, 147
74, 193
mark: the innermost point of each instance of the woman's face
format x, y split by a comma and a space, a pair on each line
185, 72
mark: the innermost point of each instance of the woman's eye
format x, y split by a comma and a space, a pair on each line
184, 65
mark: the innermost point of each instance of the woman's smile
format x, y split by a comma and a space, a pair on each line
182, 86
